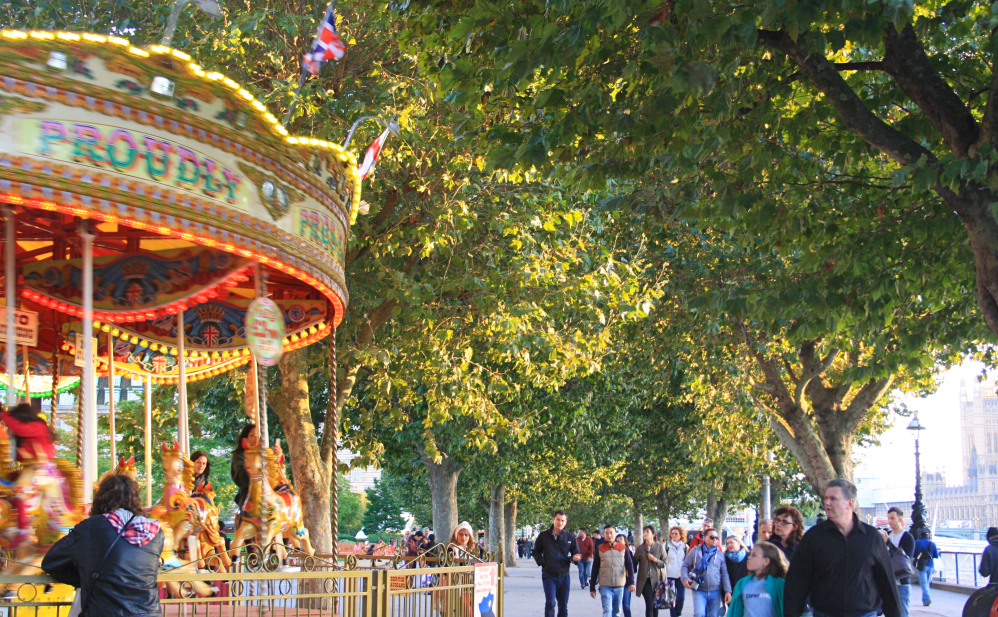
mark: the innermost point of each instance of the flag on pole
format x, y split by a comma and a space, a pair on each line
371, 156
327, 45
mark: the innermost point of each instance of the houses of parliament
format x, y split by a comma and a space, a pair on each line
976, 500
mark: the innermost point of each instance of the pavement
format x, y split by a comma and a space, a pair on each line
524, 597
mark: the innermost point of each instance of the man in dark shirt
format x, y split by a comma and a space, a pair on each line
842, 564
554, 552
586, 549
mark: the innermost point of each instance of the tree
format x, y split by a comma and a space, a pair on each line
384, 511
353, 507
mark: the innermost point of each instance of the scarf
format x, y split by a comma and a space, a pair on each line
679, 546
705, 557
739, 556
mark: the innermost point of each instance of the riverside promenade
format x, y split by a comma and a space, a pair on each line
524, 597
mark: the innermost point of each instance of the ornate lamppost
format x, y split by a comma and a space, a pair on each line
918, 511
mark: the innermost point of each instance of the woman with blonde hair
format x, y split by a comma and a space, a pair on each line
462, 542
463, 549
675, 548
736, 555
761, 595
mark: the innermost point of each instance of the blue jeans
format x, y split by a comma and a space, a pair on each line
556, 591
626, 604
610, 597
925, 582
706, 603
904, 594
677, 608
585, 572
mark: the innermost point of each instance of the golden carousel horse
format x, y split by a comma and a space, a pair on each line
182, 516
124, 468
272, 508
51, 493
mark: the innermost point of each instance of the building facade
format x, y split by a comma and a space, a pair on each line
975, 502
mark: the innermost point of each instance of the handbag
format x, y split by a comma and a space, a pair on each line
901, 562
80, 606
665, 594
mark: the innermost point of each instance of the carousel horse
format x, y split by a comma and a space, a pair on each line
124, 468
49, 492
174, 514
203, 516
272, 508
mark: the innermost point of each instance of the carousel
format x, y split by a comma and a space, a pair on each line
161, 225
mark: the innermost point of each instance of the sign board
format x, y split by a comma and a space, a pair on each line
486, 589
25, 327
265, 331
79, 361
396, 583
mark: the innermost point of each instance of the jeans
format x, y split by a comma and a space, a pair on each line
677, 608
585, 572
820, 614
904, 594
706, 603
556, 591
925, 582
610, 597
626, 603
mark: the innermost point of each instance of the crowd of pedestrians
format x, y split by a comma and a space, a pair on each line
840, 567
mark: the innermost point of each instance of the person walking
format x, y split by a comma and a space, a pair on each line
554, 551
586, 550
112, 556
736, 555
705, 571
613, 569
841, 564
698, 539
788, 529
900, 540
761, 595
765, 530
989, 560
926, 552
676, 550
650, 559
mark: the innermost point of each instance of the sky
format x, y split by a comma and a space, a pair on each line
892, 463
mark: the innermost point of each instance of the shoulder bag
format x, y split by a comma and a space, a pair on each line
79, 606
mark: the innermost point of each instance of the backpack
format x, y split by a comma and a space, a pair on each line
923, 559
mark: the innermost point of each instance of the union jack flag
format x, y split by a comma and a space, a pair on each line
327, 45
371, 156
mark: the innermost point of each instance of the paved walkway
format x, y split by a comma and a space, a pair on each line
524, 597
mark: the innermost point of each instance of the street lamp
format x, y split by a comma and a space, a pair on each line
918, 511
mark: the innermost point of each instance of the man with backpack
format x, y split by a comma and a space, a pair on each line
901, 547
925, 552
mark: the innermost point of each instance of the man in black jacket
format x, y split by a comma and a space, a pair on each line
842, 564
554, 551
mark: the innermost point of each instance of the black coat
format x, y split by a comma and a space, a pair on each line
555, 556
126, 586
737, 570
843, 576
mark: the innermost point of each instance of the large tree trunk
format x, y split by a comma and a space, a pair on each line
717, 508
639, 521
497, 512
509, 544
443, 492
818, 432
311, 479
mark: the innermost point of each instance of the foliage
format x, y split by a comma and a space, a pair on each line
384, 509
351, 506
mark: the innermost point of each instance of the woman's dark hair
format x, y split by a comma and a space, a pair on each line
798, 520
650, 528
26, 413
117, 491
243, 435
207, 468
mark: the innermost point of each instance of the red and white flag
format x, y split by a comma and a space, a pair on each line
371, 156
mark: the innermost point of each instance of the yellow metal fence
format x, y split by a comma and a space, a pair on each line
398, 591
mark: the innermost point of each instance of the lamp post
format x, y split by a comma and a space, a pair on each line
918, 511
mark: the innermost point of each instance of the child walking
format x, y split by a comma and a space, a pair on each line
760, 594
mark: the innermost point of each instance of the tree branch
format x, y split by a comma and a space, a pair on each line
841, 66
823, 75
906, 61
863, 401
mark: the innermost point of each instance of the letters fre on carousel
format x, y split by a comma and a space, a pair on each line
132, 153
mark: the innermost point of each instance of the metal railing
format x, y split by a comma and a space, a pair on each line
959, 568
316, 587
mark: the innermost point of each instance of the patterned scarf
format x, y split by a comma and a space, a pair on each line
140, 532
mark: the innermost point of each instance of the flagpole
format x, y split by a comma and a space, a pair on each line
294, 100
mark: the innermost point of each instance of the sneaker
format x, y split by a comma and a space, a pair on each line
927, 603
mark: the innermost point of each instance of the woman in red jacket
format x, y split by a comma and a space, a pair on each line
35, 444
